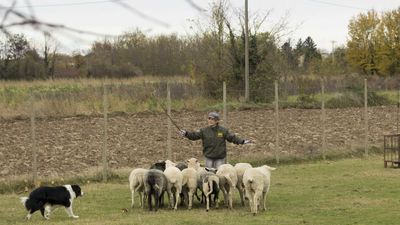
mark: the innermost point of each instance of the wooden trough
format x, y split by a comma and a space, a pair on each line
391, 150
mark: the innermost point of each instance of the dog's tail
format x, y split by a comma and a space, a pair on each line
24, 201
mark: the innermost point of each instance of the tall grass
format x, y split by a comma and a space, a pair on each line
85, 96
63, 98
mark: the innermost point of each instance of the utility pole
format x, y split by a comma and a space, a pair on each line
333, 51
246, 51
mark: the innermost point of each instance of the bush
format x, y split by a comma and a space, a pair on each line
356, 99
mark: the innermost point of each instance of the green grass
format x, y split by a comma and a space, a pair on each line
350, 191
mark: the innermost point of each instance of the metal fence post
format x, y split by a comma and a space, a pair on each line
366, 117
224, 119
169, 155
323, 119
104, 155
34, 146
276, 122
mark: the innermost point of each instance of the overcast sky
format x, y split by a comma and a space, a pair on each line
324, 20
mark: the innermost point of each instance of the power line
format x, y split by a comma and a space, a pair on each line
338, 5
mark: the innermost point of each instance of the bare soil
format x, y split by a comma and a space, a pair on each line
69, 146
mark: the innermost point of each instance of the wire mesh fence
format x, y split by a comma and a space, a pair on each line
82, 126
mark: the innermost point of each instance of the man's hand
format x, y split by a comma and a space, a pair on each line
247, 142
183, 133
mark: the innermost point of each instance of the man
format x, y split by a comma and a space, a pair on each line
214, 139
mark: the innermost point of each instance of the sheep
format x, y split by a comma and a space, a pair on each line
174, 177
193, 163
160, 165
257, 182
189, 185
136, 183
240, 169
227, 181
201, 174
210, 186
155, 183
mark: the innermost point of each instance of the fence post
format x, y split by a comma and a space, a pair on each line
34, 146
104, 155
169, 155
276, 123
323, 119
366, 117
397, 114
224, 119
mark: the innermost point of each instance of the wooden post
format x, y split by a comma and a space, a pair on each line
34, 147
104, 155
366, 117
276, 123
246, 52
323, 120
169, 155
397, 115
224, 119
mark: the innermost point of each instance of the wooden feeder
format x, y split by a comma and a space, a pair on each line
391, 150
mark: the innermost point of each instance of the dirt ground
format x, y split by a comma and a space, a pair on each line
68, 146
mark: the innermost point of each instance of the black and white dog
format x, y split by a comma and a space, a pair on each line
46, 199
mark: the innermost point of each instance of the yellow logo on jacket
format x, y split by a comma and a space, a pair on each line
220, 134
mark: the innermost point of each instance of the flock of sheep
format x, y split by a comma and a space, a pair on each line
181, 179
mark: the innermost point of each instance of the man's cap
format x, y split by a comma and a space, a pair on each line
213, 115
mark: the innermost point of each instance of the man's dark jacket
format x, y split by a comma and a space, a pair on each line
214, 144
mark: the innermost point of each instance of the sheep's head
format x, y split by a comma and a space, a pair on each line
193, 163
169, 163
160, 165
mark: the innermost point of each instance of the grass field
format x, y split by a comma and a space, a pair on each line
350, 191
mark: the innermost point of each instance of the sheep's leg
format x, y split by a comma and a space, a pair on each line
240, 189
190, 198
250, 196
207, 202
133, 197
149, 201
264, 197
144, 198
225, 196
140, 198
230, 199
170, 197
177, 198
256, 199
216, 200
157, 199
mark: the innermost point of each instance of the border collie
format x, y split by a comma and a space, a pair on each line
46, 199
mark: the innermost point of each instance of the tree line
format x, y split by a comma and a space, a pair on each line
215, 53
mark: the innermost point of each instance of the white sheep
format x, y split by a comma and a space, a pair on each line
227, 181
189, 184
136, 183
257, 182
193, 163
174, 177
240, 169
207, 181
210, 186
